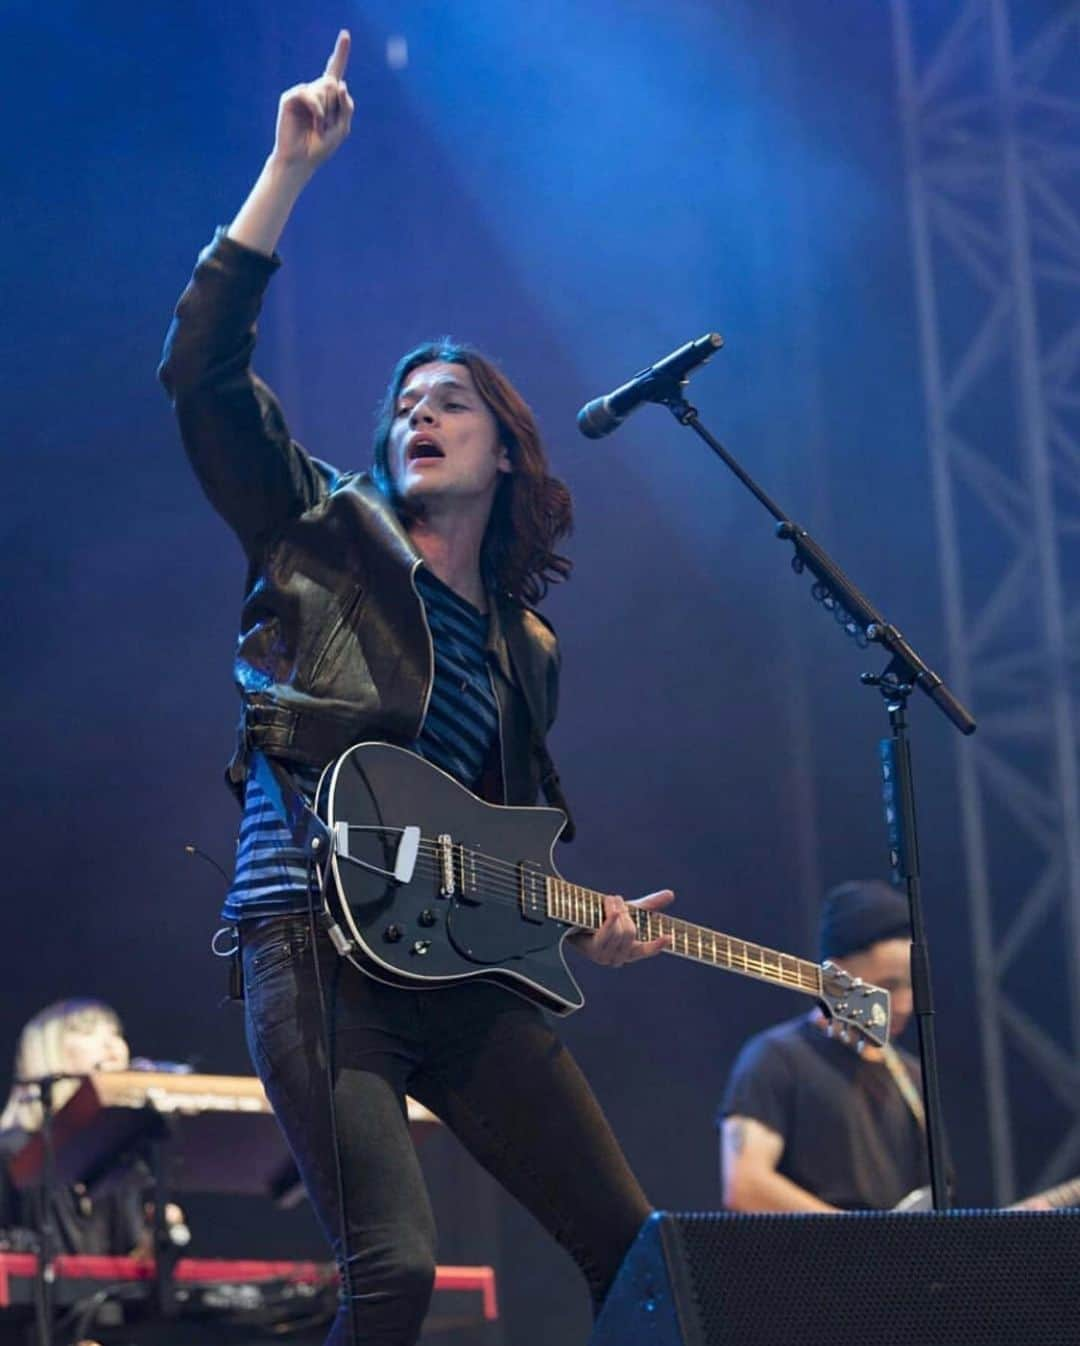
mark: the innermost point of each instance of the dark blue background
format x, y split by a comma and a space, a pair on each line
577, 187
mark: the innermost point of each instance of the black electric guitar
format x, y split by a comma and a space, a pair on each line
430, 886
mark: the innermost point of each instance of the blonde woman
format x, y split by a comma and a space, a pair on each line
72, 1037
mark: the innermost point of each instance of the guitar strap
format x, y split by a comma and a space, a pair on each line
289, 804
904, 1083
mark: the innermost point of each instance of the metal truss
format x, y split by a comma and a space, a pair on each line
989, 97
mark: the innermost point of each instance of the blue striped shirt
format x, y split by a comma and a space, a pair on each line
460, 726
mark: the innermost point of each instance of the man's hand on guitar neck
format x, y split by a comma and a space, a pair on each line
616, 941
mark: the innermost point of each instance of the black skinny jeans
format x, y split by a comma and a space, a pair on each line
483, 1060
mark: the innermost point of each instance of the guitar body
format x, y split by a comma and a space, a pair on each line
468, 909
428, 886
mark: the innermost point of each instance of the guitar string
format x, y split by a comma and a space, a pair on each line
789, 976
488, 867
512, 895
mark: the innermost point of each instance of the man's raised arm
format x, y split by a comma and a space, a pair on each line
233, 429
313, 120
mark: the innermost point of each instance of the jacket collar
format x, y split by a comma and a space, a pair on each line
496, 639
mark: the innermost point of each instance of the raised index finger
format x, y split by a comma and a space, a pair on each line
339, 57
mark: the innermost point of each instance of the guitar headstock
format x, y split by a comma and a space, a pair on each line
854, 1003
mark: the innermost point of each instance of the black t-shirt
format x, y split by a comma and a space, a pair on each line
849, 1136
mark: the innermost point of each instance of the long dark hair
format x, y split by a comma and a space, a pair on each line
531, 510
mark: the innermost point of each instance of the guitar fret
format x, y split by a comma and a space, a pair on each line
584, 908
721, 950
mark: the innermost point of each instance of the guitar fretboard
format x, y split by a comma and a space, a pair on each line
584, 907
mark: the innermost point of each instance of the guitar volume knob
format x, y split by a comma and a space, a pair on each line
392, 934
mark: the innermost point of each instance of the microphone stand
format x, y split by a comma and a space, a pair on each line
904, 672
48, 1239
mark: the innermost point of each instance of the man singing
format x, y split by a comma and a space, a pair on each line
392, 606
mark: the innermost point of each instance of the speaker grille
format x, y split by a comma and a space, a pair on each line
958, 1279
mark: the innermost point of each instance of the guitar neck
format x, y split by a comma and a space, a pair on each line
584, 908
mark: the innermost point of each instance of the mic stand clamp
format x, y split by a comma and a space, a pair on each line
861, 620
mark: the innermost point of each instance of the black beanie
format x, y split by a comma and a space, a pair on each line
859, 913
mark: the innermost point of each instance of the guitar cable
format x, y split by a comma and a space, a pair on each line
329, 1037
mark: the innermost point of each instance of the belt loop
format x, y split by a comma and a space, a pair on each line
235, 986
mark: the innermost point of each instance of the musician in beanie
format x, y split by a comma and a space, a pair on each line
810, 1122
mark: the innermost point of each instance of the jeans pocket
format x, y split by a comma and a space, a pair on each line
271, 949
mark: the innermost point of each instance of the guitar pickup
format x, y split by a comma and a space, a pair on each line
404, 858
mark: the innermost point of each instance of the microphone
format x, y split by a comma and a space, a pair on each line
191, 849
604, 414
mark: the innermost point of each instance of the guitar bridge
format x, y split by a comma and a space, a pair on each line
445, 847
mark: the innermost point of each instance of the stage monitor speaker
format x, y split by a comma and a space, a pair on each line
962, 1278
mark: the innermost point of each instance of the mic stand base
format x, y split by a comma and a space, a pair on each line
48, 1239
166, 1252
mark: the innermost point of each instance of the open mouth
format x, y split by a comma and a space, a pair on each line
424, 448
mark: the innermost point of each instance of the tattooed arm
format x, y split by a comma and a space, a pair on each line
749, 1155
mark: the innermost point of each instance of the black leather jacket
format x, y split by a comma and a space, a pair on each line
334, 645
